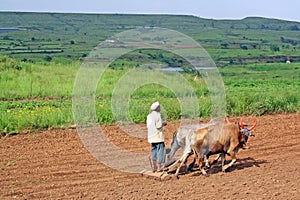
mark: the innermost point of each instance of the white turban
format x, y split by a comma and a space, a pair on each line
154, 105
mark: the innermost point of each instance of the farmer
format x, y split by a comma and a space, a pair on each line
156, 137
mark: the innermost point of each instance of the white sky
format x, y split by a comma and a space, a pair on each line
216, 9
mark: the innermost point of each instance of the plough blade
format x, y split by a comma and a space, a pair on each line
162, 176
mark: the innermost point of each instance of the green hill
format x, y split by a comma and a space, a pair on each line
44, 35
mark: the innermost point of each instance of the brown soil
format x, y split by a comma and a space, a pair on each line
54, 164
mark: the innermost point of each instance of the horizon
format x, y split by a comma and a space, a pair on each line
174, 14
214, 9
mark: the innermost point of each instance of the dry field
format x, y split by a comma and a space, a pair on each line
54, 164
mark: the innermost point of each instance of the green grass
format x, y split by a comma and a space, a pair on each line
262, 89
39, 95
36, 80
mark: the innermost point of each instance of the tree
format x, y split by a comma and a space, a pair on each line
274, 48
244, 47
6, 37
294, 28
224, 45
48, 58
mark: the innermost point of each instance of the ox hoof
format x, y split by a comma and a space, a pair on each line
224, 169
207, 166
204, 173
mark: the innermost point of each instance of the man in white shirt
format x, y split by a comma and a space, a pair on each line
156, 137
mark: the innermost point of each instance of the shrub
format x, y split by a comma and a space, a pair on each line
7, 63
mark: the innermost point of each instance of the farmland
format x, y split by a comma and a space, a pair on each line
74, 35
45, 156
55, 164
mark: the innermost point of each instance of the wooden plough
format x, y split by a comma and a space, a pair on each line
162, 176
169, 170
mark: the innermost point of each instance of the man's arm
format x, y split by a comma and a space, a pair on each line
159, 124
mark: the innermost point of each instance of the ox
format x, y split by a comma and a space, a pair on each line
219, 139
183, 138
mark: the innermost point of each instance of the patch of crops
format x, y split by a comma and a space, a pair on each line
21, 116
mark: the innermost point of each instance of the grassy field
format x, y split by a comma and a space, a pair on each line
39, 61
38, 95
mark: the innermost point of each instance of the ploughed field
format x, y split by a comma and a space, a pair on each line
54, 164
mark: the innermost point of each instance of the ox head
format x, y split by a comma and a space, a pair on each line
245, 130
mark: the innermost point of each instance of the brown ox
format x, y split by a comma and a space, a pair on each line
231, 138
219, 139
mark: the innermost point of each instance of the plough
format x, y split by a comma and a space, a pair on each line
162, 176
167, 173
157, 175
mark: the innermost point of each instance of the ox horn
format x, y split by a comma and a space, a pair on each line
235, 120
227, 120
253, 126
242, 123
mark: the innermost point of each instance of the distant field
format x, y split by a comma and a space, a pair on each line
72, 36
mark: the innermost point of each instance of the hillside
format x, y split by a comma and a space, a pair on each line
47, 35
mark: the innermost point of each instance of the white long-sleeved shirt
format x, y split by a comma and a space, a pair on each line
155, 127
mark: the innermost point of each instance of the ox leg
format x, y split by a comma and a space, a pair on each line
202, 166
174, 148
197, 158
170, 160
201, 153
182, 161
233, 159
223, 159
207, 164
216, 159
